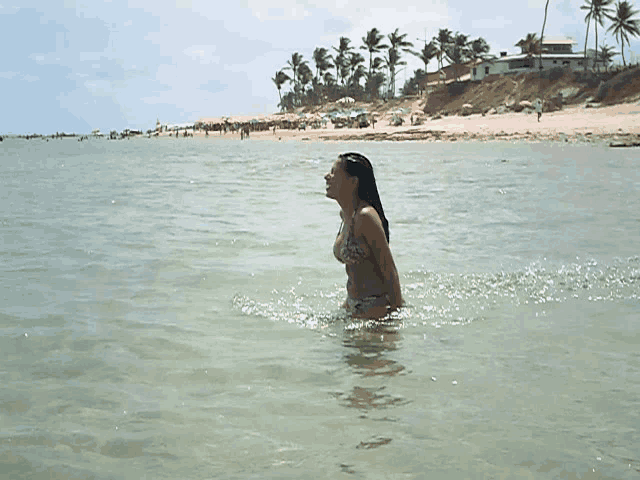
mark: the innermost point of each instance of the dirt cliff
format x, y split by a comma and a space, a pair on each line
503, 93
556, 86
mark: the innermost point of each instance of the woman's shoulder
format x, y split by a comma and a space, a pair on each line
368, 212
367, 217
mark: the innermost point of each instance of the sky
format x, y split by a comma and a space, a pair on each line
77, 65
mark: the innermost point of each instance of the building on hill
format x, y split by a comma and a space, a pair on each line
445, 75
556, 52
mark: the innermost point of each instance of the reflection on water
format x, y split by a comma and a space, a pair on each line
369, 345
369, 398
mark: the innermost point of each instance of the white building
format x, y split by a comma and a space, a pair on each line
557, 52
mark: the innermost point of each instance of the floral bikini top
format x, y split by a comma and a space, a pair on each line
351, 250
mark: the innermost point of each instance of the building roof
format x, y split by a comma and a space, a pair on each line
521, 56
558, 39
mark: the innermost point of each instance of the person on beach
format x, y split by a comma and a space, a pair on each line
362, 242
538, 106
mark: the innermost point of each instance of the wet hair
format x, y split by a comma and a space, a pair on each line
357, 165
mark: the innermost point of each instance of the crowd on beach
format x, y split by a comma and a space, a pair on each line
617, 125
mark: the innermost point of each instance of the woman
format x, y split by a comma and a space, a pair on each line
362, 243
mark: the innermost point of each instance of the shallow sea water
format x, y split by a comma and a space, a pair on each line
169, 309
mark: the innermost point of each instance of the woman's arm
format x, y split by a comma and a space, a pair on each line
370, 227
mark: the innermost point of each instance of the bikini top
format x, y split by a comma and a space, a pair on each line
351, 250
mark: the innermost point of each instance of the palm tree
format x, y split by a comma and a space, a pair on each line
458, 51
305, 76
294, 65
530, 46
356, 88
398, 43
606, 54
478, 48
600, 9
443, 40
322, 59
340, 59
355, 64
391, 61
544, 23
429, 52
373, 44
587, 6
328, 79
624, 25
280, 79
376, 77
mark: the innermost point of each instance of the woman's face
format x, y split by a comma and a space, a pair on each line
339, 184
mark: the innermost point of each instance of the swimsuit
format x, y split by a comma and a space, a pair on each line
361, 305
352, 250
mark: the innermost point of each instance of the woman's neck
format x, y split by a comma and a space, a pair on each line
350, 206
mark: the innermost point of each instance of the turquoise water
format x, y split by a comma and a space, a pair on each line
169, 309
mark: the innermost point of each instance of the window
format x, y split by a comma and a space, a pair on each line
486, 70
555, 61
566, 62
524, 63
475, 71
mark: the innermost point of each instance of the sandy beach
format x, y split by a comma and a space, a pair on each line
618, 123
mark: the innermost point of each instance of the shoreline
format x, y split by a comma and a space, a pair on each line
617, 124
583, 123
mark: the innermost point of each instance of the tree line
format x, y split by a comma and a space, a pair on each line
343, 71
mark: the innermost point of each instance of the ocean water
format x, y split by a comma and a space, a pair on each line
169, 309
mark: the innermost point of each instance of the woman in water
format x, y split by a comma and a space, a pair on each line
362, 243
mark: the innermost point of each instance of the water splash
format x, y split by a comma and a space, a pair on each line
445, 299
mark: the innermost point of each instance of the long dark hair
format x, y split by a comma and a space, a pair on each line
357, 165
